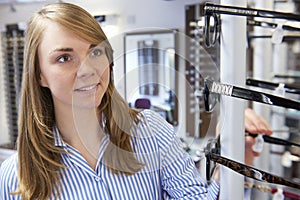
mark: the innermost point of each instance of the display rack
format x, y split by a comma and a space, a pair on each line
200, 61
13, 47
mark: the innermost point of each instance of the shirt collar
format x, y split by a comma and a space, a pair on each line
58, 141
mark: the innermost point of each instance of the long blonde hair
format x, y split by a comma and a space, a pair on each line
39, 160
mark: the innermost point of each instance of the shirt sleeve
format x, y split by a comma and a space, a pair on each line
8, 178
180, 179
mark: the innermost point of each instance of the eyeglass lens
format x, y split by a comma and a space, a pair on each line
210, 99
212, 26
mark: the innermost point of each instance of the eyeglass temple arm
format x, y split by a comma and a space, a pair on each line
285, 37
287, 76
251, 172
274, 140
272, 86
211, 8
242, 93
271, 25
265, 98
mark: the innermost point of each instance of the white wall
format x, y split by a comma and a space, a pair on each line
133, 15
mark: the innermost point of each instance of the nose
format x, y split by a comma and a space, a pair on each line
86, 69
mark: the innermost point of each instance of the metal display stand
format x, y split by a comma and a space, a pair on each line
262, 67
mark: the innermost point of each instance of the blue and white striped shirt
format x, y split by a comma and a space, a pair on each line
169, 172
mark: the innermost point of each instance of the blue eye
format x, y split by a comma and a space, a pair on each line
97, 52
63, 58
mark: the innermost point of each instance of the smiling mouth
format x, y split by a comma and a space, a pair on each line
87, 88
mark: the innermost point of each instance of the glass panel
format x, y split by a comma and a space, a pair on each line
150, 71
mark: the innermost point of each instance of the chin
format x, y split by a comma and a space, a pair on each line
86, 107
88, 103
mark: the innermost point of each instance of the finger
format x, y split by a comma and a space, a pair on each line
263, 126
255, 123
250, 127
249, 121
249, 153
249, 142
255, 154
249, 156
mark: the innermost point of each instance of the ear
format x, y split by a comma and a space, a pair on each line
43, 81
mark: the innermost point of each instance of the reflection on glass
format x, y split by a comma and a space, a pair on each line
148, 59
150, 71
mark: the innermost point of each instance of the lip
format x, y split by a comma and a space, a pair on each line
87, 88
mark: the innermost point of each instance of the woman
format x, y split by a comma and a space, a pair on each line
78, 139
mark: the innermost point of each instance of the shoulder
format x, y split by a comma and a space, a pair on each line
8, 171
154, 125
9, 163
155, 120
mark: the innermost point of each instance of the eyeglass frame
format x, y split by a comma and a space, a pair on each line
289, 88
243, 93
214, 10
216, 29
287, 76
212, 154
264, 24
211, 8
273, 140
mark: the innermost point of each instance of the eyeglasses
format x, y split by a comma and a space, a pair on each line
212, 154
212, 14
272, 25
273, 140
289, 88
287, 76
212, 29
211, 8
212, 91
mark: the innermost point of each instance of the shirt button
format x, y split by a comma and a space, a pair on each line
97, 178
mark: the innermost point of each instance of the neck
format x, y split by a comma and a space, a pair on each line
81, 129
72, 121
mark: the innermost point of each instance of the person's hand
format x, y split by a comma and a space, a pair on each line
254, 124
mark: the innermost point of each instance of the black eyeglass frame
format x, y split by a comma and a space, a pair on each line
210, 41
289, 88
273, 140
287, 76
212, 87
264, 24
212, 154
211, 8
214, 10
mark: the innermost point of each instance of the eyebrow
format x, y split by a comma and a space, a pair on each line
92, 46
62, 50
67, 49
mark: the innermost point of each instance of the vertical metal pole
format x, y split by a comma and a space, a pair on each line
280, 60
262, 68
233, 70
262, 57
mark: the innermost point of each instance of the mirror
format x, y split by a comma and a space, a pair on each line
150, 72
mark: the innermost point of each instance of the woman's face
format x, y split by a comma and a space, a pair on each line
75, 71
